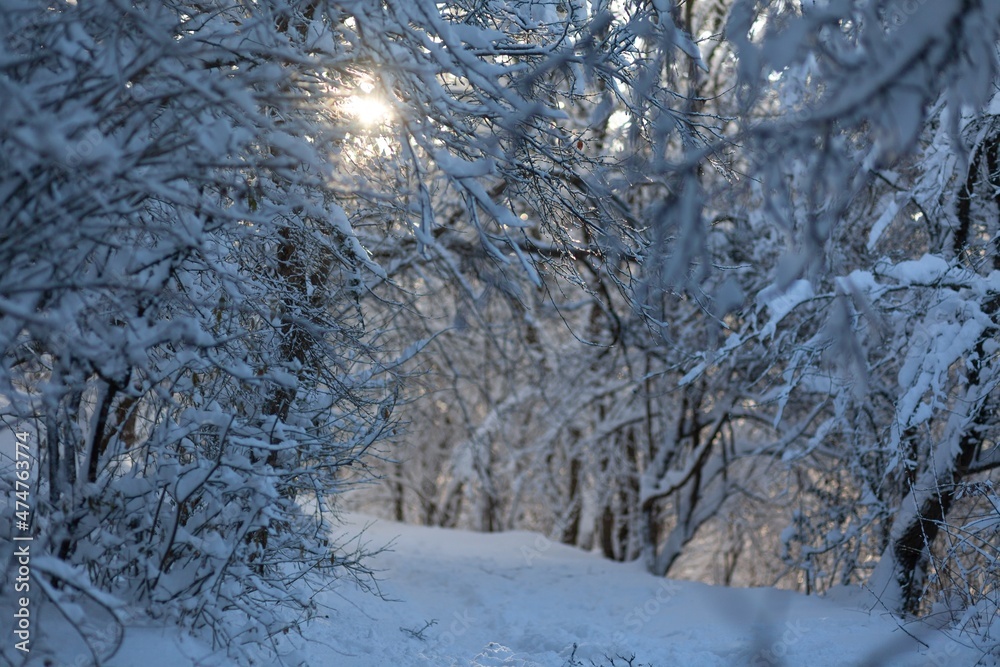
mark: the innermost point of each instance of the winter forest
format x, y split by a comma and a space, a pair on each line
707, 286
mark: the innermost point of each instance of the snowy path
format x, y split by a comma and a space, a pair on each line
517, 599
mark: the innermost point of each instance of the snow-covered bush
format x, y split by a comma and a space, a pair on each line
180, 306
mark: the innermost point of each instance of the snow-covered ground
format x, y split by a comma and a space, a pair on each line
516, 599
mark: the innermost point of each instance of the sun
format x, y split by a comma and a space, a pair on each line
366, 107
367, 110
